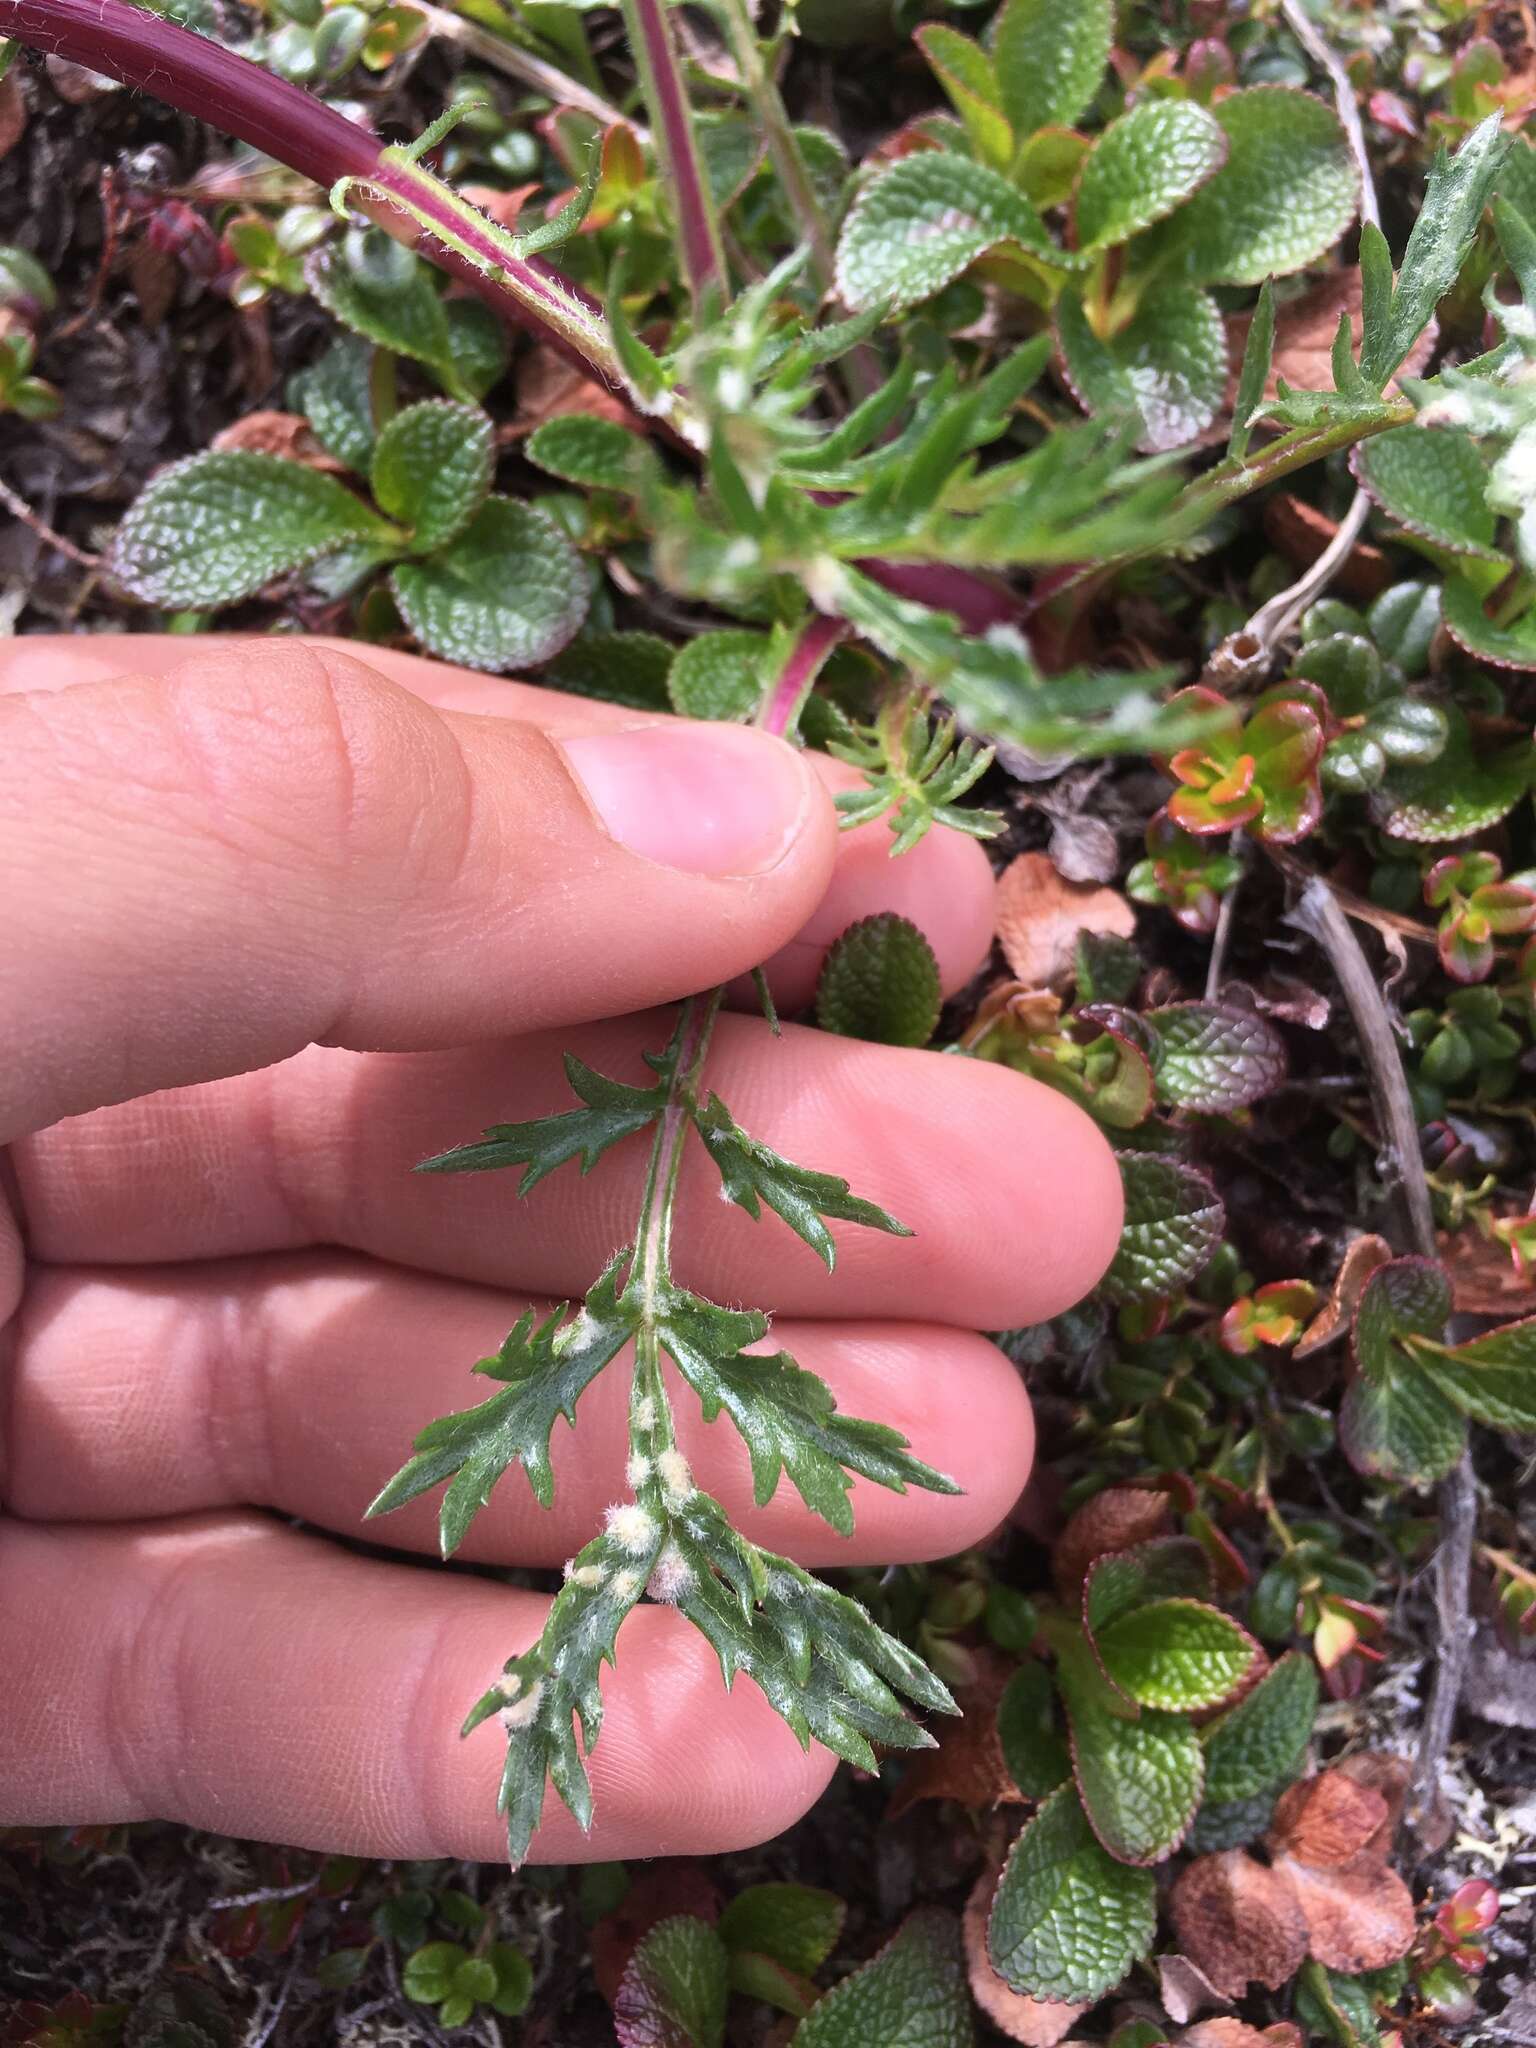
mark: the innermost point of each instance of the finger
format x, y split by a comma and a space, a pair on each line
944, 885
229, 1674
239, 1382
1013, 1194
278, 846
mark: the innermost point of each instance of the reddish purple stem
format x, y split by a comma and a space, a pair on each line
801, 669
691, 198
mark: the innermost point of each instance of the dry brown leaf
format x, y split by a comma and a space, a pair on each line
1037, 2022
1390, 1775
1485, 1280
13, 111
1237, 1922
1235, 2033
1040, 914
1185, 1989
278, 433
1356, 1919
1337, 1313
968, 1763
548, 387
1304, 331
1116, 1519
1327, 1821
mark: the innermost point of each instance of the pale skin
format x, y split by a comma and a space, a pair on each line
278, 921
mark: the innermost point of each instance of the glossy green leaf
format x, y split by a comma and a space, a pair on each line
1181, 1655
1173, 1223
610, 1110
432, 468
1286, 193
1167, 368
1433, 483
675, 1987
508, 593
1458, 794
1404, 1298
794, 1924
1050, 56
1492, 1378
720, 675
1142, 167
582, 449
1068, 1921
217, 527
917, 227
1508, 645
1214, 1059
966, 73
913, 1994
335, 394
1140, 1779
880, 981
1122, 1581
1260, 1743
1033, 1745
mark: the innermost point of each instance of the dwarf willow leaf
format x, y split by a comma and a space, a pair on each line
915, 228
1068, 1921
1173, 1223
1142, 167
598, 453
218, 526
611, 1110
1287, 191
1492, 1378
911, 1995
1140, 1779
1216, 1060
1166, 368
675, 1988
1459, 793
509, 592
1433, 484
1049, 57
1260, 1743
432, 468
1177, 1654
752, 1173
719, 675
335, 394
880, 981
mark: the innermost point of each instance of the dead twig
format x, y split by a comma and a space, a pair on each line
1222, 938
20, 509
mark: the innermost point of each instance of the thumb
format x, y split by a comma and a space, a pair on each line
276, 845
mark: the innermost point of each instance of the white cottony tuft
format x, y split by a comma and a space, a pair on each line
521, 1713
672, 1580
582, 1574
626, 1586
632, 1528
637, 1471
645, 1412
676, 1478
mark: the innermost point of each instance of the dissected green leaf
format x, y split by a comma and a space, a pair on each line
1142, 167
1068, 1921
585, 450
611, 1110
1167, 368
918, 226
752, 1173
1050, 56
1287, 191
794, 1924
1214, 1059
1459, 793
913, 1994
1173, 1223
1253, 376
1260, 1743
1492, 1378
432, 468
335, 394
880, 981
1432, 483
218, 526
547, 1367
720, 675
674, 1990
1033, 1745
508, 593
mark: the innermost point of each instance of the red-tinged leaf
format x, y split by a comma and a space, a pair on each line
1037, 2022
1239, 1923
1117, 1519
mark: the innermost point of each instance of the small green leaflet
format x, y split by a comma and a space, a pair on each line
598, 453
1511, 644
1433, 484
751, 1173
1253, 377
1395, 1422
965, 71
794, 1924
613, 1110
508, 592
1460, 793
1210, 1058
1181, 1655
386, 294
431, 469
1049, 56
1260, 1744
1034, 1748
913, 1994
335, 394
1287, 191
1167, 368
720, 675
1144, 165
548, 1366
1068, 1921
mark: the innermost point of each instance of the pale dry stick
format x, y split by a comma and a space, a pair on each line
1317, 913
20, 509
523, 65
1225, 917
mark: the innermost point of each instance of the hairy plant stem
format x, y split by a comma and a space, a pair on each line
782, 698
780, 136
661, 76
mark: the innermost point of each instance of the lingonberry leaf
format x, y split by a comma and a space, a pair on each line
612, 1110
546, 1367
911, 1995
335, 394
508, 593
1260, 1742
1142, 167
1068, 1921
720, 675
1173, 1223
1033, 1745
675, 1988
1492, 1378
218, 526
1166, 368
786, 1416
1211, 1058
1461, 793
1049, 57
794, 1924
751, 1173
1140, 1778
1432, 484
601, 454
431, 469
880, 981
1503, 644
917, 227
1286, 193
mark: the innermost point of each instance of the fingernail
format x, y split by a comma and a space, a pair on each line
709, 799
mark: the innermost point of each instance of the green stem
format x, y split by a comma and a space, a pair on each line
780, 136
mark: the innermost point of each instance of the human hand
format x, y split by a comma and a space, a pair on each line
277, 926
